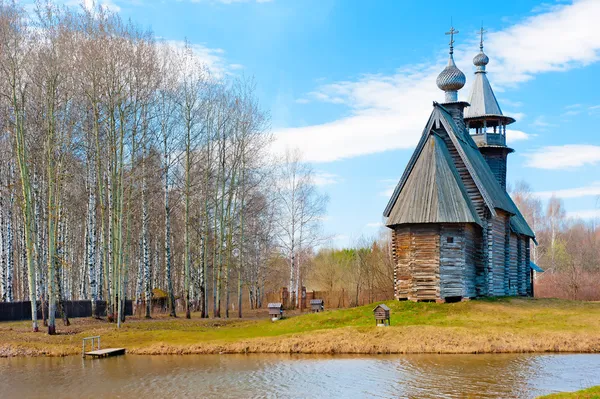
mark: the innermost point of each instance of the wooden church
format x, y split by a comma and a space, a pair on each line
456, 233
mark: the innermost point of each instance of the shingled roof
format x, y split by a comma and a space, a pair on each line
482, 100
433, 192
426, 196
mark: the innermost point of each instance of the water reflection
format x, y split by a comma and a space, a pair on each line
284, 376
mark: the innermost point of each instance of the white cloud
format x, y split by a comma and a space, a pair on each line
388, 112
390, 185
565, 37
542, 123
585, 214
516, 135
510, 103
90, 4
341, 237
232, 1
374, 225
565, 156
213, 58
325, 179
585, 191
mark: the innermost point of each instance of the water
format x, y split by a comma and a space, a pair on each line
291, 376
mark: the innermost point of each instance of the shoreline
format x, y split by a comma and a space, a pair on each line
502, 326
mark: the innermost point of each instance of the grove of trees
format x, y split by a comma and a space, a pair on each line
126, 166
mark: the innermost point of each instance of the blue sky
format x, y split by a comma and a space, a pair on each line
351, 84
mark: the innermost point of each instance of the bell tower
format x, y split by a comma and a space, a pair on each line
485, 120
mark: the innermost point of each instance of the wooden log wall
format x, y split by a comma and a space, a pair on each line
496, 242
401, 248
507, 280
497, 163
514, 265
521, 270
474, 266
452, 260
424, 263
527, 260
489, 256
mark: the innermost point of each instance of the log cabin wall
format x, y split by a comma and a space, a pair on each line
474, 268
522, 267
416, 253
452, 260
497, 163
497, 248
507, 278
424, 262
527, 245
514, 266
489, 256
401, 253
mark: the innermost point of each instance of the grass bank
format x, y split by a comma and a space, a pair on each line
485, 326
590, 393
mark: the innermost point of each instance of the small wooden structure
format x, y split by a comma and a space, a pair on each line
382, 315
276, 310
99, 353
317, 305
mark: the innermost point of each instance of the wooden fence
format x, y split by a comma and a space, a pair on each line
335, 299
15, 311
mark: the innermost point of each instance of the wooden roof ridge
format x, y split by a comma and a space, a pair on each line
467, 203
433, 191
482, 100
498, 196
492, 192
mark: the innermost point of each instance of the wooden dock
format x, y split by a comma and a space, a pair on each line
99, 353
105, 352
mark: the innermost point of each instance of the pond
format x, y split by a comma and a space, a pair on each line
299, 376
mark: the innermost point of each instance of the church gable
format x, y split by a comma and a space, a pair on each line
433, 191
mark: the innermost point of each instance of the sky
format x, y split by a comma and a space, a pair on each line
351, 84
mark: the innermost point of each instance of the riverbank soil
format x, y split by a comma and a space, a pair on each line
481, 326
590, 393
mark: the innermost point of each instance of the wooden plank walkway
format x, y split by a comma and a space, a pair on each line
106, 352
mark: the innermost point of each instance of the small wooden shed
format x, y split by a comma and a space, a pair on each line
382, 315
317, 305
275, 310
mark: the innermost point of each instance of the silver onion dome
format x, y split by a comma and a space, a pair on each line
451, 78
481, 60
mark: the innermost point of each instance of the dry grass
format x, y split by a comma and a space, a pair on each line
486, 326
590, 393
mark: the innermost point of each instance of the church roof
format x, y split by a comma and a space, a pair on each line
424, 204
433, 192
482, 100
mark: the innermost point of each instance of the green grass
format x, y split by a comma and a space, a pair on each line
590, 393
491, 325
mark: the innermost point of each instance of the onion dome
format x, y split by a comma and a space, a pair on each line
451, 79
481, 60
